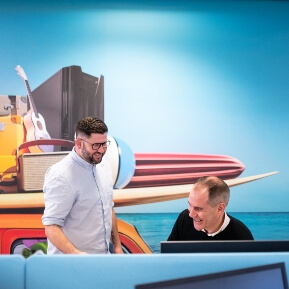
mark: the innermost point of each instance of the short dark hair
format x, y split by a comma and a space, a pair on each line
89, 125
218, 190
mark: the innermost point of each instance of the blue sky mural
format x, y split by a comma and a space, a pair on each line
208, 77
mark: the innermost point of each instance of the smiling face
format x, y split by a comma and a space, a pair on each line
205, 217
83, 147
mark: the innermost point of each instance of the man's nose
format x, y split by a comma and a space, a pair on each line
192, 213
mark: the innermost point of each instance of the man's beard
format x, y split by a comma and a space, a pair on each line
89, 157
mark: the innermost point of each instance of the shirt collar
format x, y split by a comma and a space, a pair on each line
223, 227
80, 160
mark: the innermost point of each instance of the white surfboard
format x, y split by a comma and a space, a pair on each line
123, 197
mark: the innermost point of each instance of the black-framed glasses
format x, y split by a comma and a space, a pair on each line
96, 146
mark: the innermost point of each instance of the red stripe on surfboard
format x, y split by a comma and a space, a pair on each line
161, 169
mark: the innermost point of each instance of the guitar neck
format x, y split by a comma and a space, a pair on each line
33, 106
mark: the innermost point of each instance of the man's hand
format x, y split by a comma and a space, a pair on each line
118, 250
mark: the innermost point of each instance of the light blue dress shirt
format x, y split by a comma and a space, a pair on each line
78, 197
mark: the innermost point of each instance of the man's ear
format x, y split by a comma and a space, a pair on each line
78, 143
221, 207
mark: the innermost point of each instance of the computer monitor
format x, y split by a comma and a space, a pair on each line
224, 246
265, 277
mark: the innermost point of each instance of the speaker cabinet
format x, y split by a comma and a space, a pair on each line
32, 168
66, 97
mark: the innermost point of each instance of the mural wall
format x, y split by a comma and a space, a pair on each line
184, 77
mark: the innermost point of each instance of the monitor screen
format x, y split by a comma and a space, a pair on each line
265, 277
224, 246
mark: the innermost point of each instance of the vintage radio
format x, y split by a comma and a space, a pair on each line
32, 168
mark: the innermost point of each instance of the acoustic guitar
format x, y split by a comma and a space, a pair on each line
33, 121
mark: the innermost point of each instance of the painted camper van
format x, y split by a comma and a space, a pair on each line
21, 180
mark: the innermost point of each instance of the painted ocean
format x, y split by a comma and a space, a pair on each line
156, 227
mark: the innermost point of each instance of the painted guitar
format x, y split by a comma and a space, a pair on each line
34, 121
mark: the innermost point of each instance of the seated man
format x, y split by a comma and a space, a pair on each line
206, 219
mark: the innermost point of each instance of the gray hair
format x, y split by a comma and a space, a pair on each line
218, 190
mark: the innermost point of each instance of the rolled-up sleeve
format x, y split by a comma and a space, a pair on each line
58, 199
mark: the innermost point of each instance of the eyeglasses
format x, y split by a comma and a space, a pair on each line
96, 146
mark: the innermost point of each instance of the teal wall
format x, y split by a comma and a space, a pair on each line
205, 77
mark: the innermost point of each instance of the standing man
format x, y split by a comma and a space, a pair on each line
78, 196
206, 219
